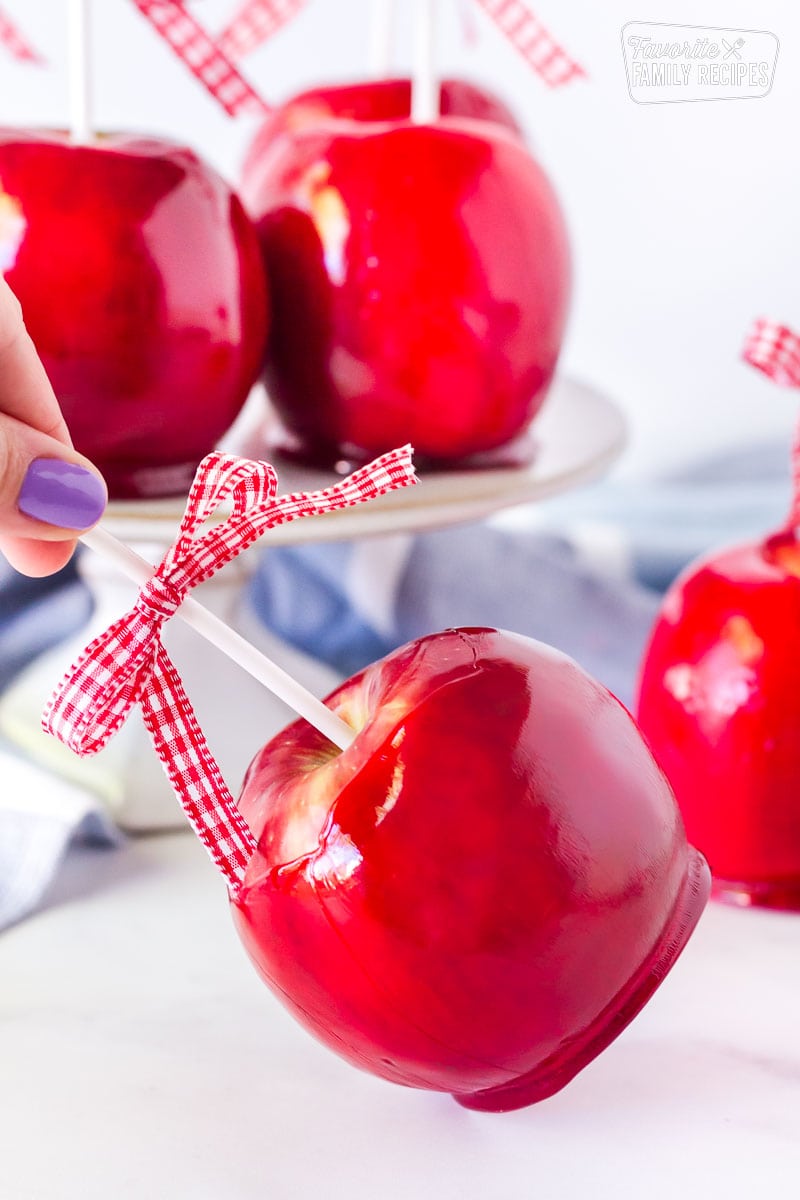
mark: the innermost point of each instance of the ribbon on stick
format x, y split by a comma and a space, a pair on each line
16, 43
195, 47
128, 665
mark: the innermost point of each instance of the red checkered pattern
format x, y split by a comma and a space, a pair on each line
536, 45
775, 350
255, 23
128, 664
15, 43
201, 54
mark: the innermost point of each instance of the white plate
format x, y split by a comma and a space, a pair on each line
579, 433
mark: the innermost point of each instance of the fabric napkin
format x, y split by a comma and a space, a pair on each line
583, 572
40, 818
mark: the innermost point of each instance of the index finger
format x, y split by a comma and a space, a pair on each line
25, 390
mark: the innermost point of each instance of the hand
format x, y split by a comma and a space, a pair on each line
48, 491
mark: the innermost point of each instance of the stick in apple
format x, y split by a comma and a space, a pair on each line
425, 84
80, 92
229, 642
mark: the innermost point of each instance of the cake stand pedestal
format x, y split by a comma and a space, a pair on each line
579, 434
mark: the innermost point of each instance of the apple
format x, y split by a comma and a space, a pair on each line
142, 285
483, 890
719, 702
420, 280
376, 100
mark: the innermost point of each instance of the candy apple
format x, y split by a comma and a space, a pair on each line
719, 702
483, 890
420, 278
376, 100
142, 285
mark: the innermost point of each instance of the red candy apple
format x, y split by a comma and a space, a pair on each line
377, 100
420, 278
483, 890
719, 702
142, 286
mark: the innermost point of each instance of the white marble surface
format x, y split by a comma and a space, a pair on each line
141, 1057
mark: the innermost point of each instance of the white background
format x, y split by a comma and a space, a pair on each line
684, 217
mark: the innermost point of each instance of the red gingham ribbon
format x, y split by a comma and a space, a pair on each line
535, 43
258, 20
201, 54
255, 23
128, 663
14, 42
775, 350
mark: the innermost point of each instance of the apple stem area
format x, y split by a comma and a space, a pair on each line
80, 98
231, 643
424, 84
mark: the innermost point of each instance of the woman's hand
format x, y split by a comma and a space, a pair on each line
48, 492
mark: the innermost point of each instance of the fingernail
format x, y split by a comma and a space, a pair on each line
62, 494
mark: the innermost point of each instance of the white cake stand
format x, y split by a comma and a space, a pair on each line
579, 433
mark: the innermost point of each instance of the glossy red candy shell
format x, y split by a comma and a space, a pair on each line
501, 881
420, 277
140, 278
719, 701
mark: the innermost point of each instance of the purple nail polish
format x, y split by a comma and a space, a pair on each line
61, 494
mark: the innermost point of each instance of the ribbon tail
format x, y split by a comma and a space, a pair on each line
200, 53
101, 687
388, 473
16, 43
193, 773
535, 43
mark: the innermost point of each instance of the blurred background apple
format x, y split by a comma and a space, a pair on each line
420, 276
140, 279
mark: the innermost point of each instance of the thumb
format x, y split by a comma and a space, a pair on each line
48, 492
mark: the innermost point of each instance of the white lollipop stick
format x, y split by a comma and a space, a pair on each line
80, 92
381, 37
229, 642
425, 83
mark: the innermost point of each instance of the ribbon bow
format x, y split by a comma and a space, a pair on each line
775, 350
128, 664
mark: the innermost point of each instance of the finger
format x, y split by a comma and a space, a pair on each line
25, 390
48, 492
34, 558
